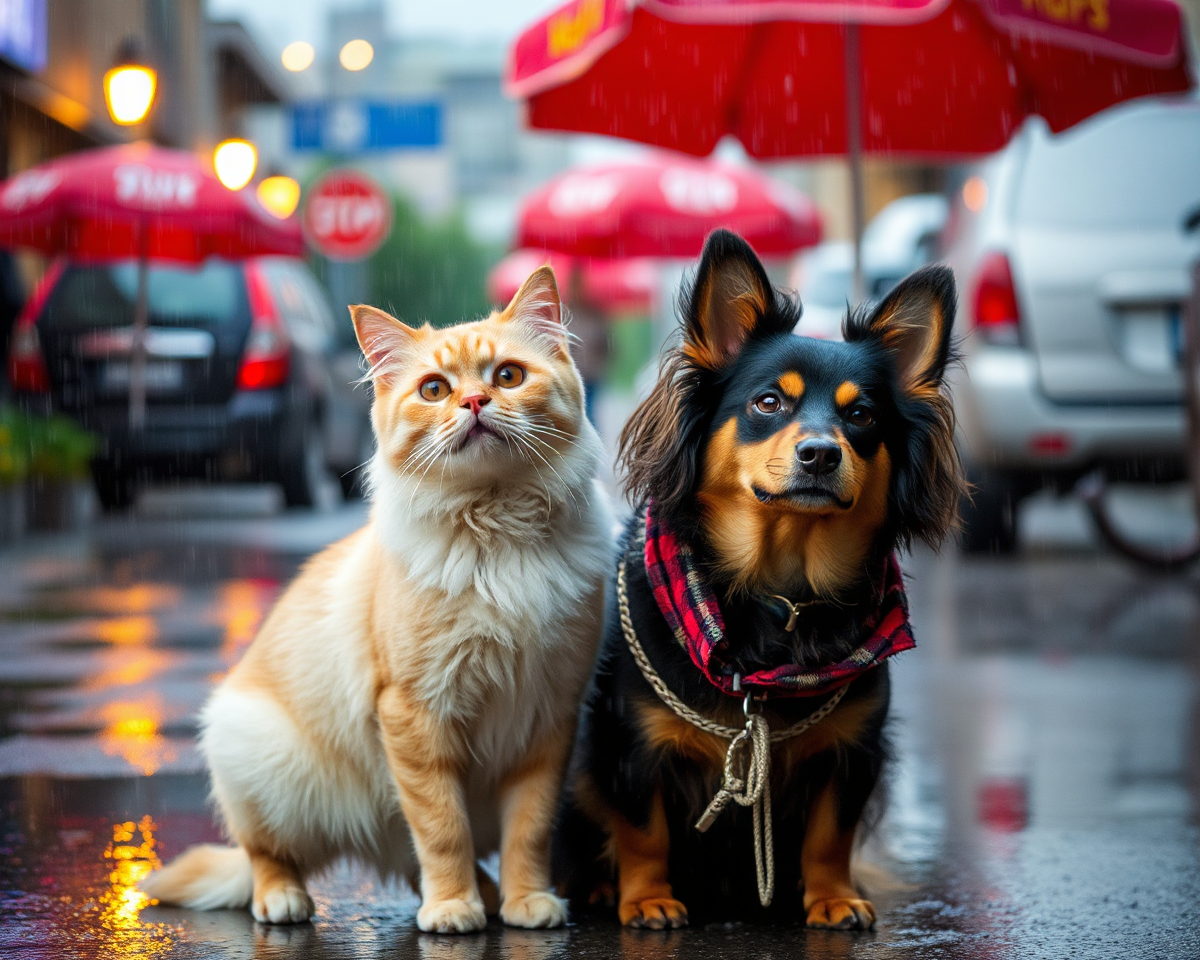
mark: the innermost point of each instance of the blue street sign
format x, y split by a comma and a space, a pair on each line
357, 126
23, 33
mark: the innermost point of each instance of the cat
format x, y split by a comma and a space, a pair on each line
411, 699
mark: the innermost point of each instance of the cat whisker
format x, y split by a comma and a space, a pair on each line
549, 465
524, 446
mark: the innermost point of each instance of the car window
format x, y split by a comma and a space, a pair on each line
318, 306
210, 294
307, 326
1135, 169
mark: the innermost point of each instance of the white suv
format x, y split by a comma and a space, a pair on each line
1072, 257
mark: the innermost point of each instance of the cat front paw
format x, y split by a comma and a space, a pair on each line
535, 910
451, 916
281, 903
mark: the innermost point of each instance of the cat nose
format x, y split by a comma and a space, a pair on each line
818, 456
475, 402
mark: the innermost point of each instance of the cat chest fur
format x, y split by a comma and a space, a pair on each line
498, 605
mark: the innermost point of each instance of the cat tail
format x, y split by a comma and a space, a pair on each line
204, 877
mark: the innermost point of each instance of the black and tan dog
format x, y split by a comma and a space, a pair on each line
780, 474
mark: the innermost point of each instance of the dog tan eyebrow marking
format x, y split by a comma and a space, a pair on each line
846, 394
792, 384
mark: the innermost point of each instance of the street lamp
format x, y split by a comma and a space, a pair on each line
130, 85
297, 56
356, 55
279, 196
234, 161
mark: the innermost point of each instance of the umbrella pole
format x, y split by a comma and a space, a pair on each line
854, 151
137, 351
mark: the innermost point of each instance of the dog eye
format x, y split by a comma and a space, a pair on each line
768, 403
860, 417
510, 375
434, 389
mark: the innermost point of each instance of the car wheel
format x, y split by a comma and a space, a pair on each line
989, 514
302, 469
114, 486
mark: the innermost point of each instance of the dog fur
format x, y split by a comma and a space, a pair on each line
716, 447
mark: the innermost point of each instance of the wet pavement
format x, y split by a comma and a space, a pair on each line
1042, 798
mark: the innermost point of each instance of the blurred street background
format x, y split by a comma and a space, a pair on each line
194, 191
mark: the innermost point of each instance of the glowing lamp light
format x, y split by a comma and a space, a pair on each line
298, 56
234, 161
279, 196
356, 55
975, 194
129, 93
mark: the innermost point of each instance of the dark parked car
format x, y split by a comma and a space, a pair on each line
249, 373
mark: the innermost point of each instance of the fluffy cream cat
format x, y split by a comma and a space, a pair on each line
412, 697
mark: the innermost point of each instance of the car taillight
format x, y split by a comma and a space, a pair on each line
268, 357
26, 364
997, 316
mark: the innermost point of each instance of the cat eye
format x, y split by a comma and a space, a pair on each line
768, 403
510, 375
434, 389
860, 416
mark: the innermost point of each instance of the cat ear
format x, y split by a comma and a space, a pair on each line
538, 307
383, 338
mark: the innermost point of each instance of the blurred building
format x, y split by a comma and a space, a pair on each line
478, 159
54, 53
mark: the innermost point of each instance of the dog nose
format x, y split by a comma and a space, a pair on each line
475, 402
818, 457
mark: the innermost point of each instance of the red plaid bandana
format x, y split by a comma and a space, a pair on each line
691, 610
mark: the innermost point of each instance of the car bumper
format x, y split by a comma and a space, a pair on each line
1006, 422
251, 421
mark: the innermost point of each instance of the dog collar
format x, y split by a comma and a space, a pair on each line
791, 608
691, 610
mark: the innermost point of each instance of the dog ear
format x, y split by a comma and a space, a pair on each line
730, 300
538, 307
914, 323
383, 338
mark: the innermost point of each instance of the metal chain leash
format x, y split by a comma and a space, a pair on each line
747, 775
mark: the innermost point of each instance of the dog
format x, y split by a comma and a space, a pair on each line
773, 477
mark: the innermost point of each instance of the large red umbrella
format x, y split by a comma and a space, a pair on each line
664, 207
620, 286
918, 78
137, 201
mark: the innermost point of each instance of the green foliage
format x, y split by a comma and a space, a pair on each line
14, 454
430, 271
52, 448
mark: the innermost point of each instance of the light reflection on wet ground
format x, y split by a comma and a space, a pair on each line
1042, 796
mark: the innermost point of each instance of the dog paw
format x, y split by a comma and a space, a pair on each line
284, 903
841, 913
451, 916
660, 913
534, 910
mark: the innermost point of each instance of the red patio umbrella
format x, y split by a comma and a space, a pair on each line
626, 285
917, 78
138, 201
512, 270
623, 286
664, 207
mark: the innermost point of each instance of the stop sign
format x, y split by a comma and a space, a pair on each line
347, 215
